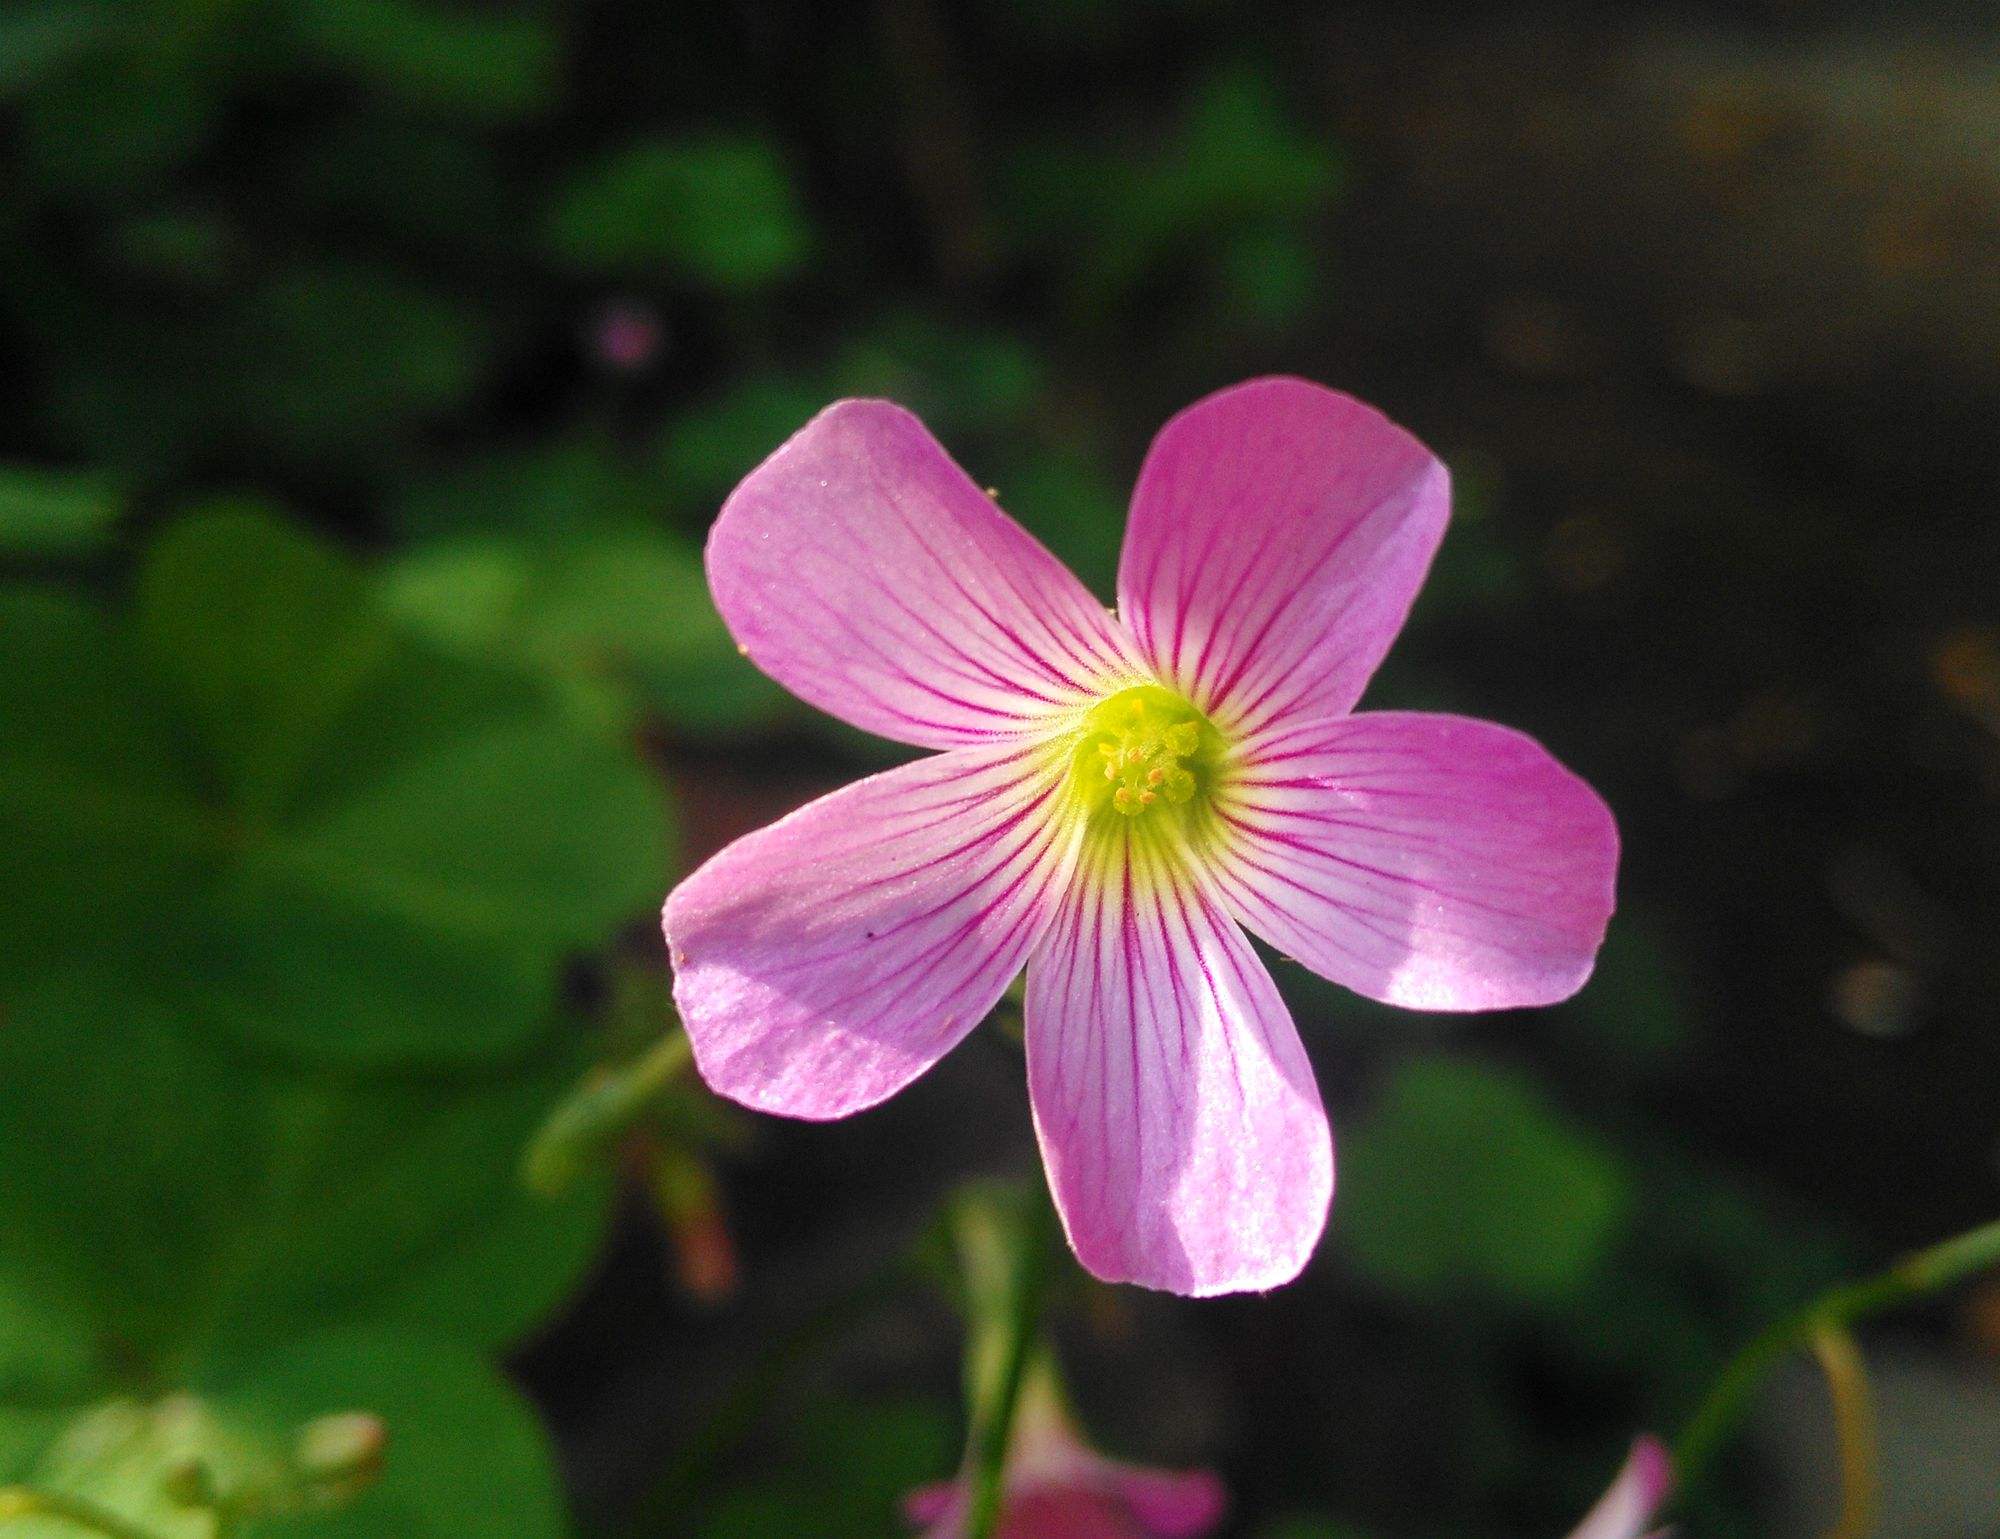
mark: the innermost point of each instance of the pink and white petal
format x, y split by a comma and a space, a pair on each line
1279, 534
1171, 1504
1184, 1138
1634, 1498
1427, 861
824, 962
862, 569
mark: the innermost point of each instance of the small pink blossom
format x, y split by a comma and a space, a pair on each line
626, 335
1056, 1486
1118, 797
1635, 1496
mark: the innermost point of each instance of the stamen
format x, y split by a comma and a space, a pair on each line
1151, 746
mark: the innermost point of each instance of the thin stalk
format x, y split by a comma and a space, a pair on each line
1854, 1430
1914, 1277
1006, 1356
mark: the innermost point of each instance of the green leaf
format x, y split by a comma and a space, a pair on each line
39, 40
1462, 1177
618, 620
263, 635
464, 60
301, 1200
464, 1456
383, 860
56, 512
332, 357
466, 1460
99, 825
719, 210
709, 447
844, 1473
541, 490
126, 1161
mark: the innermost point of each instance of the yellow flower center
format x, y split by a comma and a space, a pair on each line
1144, 752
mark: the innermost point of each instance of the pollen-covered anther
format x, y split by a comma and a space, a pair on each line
1148, 744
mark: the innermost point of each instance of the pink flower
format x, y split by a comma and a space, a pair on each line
1634, 1497
1058, 1487
1118, 797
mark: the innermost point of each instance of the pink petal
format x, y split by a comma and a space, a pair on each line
1427, 861
938, 1502
1171, 1504
824, 962
1183, 1134
1634, 1497
1279, 533
862, 569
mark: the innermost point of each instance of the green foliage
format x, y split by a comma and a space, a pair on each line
718, 211
845, 1470
1232, 195
1462, 1177
457, 59
376, 851
55, 513
617, 621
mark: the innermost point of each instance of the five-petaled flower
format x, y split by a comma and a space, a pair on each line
1119, 796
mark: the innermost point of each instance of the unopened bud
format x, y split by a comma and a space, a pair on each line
344, 1449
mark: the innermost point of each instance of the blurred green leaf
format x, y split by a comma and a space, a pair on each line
383, 860
707, 448
1238, 178
37, 41
719, 210
464, 1457
546, 489
846, 1471
263, 635
100, 825
300, 1200
472, 61
56, 512
467, 1458
123, 117
331, 354
1462, 1177
618, 620
954, 377
1071, 503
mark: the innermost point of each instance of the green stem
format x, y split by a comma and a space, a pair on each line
597, 1112
1915, 1276
1001, 1361
24, 1502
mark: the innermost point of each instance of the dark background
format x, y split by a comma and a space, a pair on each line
373, 371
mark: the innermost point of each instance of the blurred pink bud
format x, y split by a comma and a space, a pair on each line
626, 335
1635, 1496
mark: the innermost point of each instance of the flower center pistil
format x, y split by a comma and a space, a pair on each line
1144, 748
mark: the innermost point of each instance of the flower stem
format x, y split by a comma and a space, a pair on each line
595, 1114
1854, 1430
1915, 1276
1004, 1248
25, 1502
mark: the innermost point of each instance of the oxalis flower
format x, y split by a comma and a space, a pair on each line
1118, 797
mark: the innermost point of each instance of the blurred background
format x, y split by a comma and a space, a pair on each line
373, 370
